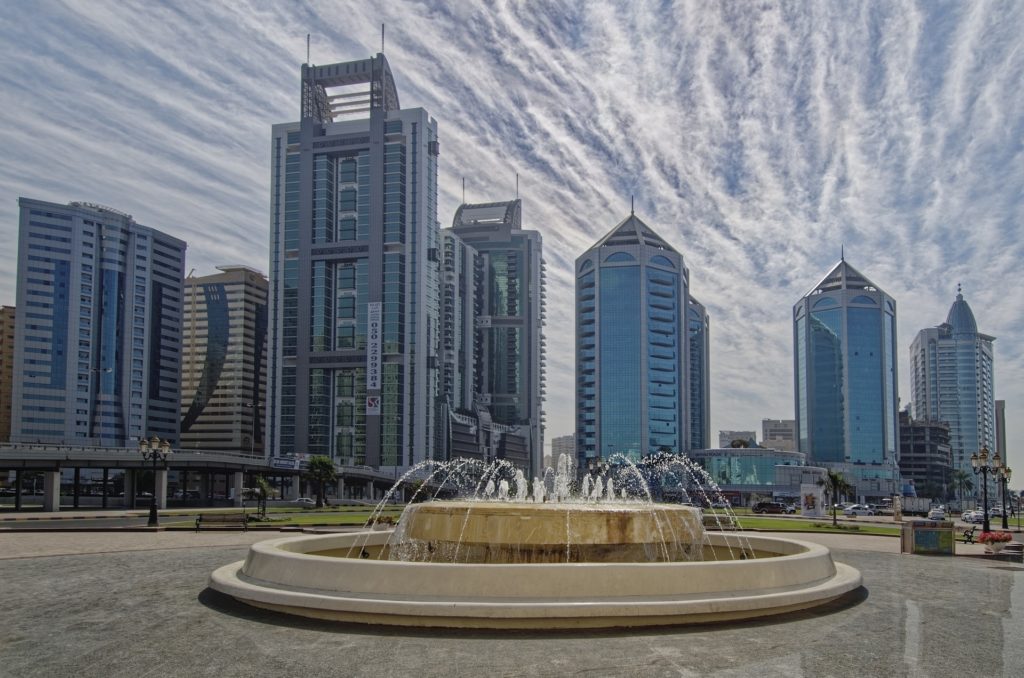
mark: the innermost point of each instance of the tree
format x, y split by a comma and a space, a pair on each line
264, 489
835, 485
964, 483
321, 471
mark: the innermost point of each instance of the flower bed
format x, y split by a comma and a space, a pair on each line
994, 537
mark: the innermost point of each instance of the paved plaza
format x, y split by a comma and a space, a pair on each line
136, 604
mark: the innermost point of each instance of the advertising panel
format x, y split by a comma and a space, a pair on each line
373, 332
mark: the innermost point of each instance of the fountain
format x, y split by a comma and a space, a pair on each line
515, 553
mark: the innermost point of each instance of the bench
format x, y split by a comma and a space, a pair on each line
238, 519
969, 535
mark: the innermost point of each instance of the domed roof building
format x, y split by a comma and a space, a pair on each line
951, 380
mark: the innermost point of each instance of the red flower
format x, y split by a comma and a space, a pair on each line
991, 537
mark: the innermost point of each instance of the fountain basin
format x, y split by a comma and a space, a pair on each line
294, 575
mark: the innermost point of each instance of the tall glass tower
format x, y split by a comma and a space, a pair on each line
951, 380
699, 327
98, 339
632, 346
844, 332
354, 251
509, 326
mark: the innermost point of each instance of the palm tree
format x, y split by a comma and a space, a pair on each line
321, 471
963, 483
835, 485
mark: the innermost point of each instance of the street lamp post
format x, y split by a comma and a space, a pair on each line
982, 464
157, 451
1004, 480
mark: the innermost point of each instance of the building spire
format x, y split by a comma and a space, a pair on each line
631, 212
842, 251
463, 190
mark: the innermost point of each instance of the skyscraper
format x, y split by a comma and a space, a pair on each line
699, 327
508, 324
7, 319
844, 332
779, 434
98, 344
951, 380
632, 346
224, 373
354, 330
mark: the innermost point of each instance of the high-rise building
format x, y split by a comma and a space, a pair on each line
354, 251
563, 445
509, 326
6, 370
98, 338
951, 380
727, 438
779, 434
699, 327
632, 346
224, 372
1001, 428
844, 332
925, 456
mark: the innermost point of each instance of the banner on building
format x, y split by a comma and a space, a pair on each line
372, 405
373, 330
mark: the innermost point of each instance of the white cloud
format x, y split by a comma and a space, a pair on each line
756, 138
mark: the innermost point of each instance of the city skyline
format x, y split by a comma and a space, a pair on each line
758, 141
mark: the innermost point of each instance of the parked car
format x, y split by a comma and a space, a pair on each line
772, 507
721, 504
859, 510
304, 501
973, 516
937, 513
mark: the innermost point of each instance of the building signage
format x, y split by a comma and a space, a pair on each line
372, 405
284, 462
373, 331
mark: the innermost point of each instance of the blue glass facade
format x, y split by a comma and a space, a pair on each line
99, 327
633, 353
845, 373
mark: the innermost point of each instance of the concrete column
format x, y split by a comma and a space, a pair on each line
129, 488
341, 488
160, 488
296, 488
51, 491
206, 488
236, 488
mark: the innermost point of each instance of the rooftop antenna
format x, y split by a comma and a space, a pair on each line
959, 288
842, 252
307, 48
517, 185
382, 38
631, 212
463, 190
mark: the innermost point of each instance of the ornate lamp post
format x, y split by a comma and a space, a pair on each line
1004, 480
982, 464
157, 451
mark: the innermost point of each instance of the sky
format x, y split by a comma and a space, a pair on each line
758, 138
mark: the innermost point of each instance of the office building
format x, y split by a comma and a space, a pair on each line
632, 346
1001, 428
6, 370
727, 438
926, 457
563, 445
508, 322
354, 263
951, 380
699, 327
98, 328
224, 373
779, 434
844, 332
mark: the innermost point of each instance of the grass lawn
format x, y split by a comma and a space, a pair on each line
819, 525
